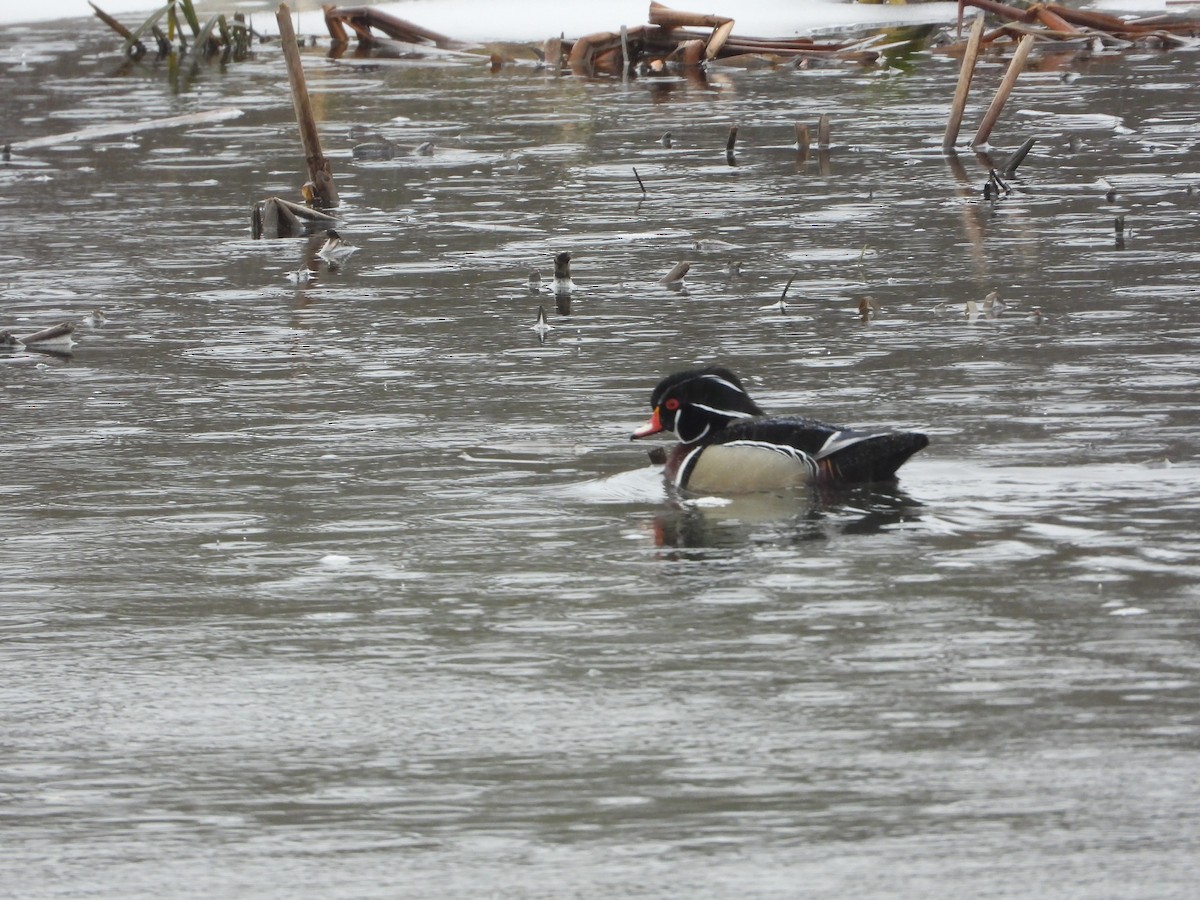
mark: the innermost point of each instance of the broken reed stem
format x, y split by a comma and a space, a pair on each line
319, 171
964, 85
732, 140
787, 286
823, 129
719, 36
1010, 168
676, 275
1003, 92
802, 139
113, 23
639, 181
625, 59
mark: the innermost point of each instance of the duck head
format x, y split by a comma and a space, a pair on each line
697, 403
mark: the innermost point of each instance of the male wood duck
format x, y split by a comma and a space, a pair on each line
728, 445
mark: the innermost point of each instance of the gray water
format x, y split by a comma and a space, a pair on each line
355, 588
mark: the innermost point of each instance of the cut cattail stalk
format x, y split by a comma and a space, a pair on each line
802, 139
563, 284
719, 36
666, 17
691, 53
320, 173
1002, 93
965, 74
552, 51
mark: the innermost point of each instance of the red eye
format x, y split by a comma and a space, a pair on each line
672, 404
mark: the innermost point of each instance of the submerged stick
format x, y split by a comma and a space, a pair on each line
639, 180
965, 74
320, 173
1005, 89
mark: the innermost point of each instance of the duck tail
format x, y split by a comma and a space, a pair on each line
874, 459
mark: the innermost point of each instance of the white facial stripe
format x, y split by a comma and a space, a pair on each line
723, 381
724, 412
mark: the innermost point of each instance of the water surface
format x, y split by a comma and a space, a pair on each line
354, 587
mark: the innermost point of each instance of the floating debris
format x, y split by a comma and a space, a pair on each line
1052, 22
413, 38
94, 319
335, 250
279, 218
55, 336
993, 305
648, 50
56, 340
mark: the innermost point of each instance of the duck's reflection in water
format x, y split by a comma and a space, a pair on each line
783, 518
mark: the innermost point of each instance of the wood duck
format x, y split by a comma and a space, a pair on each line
728, 445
